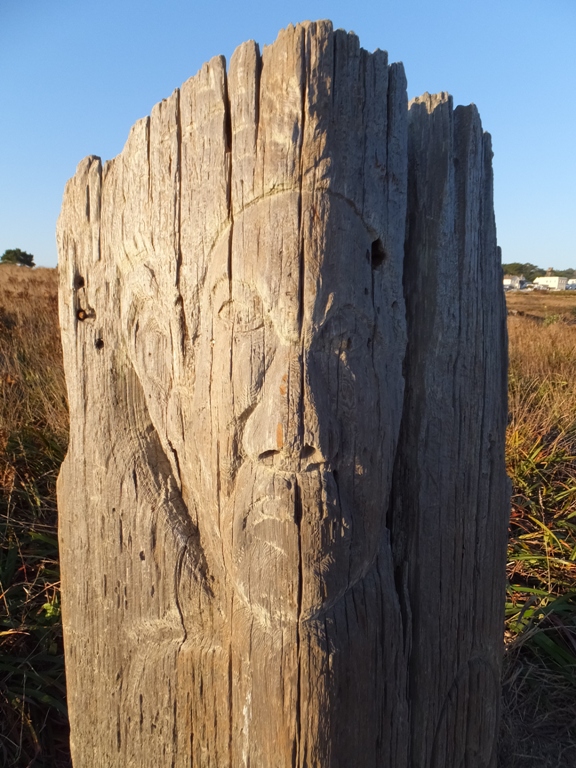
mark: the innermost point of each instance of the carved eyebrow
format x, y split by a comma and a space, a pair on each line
224, 281
246, 291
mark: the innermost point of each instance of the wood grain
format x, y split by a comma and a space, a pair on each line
283, 509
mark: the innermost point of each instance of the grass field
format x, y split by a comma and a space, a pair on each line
539, 682
550, 306
539, 686
33, 436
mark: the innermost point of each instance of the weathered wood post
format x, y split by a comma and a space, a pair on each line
283, 510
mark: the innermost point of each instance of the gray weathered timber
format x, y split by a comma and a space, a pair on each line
450, 494
283, 509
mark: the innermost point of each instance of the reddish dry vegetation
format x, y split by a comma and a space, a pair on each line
539, 722
33, 435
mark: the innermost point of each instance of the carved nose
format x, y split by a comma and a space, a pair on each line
282, 430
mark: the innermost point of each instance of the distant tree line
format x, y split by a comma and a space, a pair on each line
16, 256
531, 271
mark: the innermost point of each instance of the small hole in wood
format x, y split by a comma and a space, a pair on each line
99, 343
378, 253
81, 314
79, 282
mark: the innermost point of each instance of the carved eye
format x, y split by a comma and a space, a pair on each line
344, 335
342, 345
339, 348
243, 312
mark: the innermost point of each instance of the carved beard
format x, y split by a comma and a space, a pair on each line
295, 544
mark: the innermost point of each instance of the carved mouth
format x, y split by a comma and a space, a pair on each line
269, 508
280, 504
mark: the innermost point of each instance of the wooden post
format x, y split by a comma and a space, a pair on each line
283, 509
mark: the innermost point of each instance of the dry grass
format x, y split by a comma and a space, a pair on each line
33, 436
543, 304
539, 685
539, 692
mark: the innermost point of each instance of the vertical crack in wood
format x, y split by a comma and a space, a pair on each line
184, 339
298, 705
230, 705
148, 163
229, 204
305, 74
229, 147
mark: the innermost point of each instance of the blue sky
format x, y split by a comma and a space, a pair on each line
75, 76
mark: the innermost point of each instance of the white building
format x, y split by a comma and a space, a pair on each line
511, 282
552, 282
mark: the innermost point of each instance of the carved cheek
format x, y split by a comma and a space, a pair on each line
267, 426
251, 355
244, 342
341, 380
342, 375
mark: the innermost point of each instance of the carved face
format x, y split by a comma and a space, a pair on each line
290, 434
